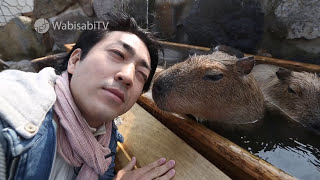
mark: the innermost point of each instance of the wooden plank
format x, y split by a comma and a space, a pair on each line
68, 47
47, 61
293, 65
122, 158
147, 139
236, 162
185, 46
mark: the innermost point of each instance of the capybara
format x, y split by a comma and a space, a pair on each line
295, 94
217, 87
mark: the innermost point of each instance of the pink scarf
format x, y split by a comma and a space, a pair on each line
76, 143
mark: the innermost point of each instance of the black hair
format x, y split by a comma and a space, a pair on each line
116, 21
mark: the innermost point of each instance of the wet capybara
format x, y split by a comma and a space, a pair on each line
217, 87
295, 94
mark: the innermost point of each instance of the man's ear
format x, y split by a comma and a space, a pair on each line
73, 60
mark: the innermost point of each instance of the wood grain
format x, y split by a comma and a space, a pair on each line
122, 158
148, 140
236, 162
47, 61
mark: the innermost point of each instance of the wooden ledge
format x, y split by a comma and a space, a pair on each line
148, 140
233, 160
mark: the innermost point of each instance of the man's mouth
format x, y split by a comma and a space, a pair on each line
117, 93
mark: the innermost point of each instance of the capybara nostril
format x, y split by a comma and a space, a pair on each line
161, 85
160, 90
157, 89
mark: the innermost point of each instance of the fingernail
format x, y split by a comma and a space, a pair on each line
172, 163
133, 158
172, 172
162, 160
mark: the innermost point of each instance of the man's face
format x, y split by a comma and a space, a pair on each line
110, 79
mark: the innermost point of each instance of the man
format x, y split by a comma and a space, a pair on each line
61, 127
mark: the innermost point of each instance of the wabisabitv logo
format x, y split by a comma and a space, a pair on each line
42, 25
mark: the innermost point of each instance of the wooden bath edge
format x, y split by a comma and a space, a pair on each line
293, 65
233, 160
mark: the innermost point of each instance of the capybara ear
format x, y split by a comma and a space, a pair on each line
245, 65
228, 50
283, 74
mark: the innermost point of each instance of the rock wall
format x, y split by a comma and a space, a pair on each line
292, 29
10, 9
20, 41
23, 42
287, 29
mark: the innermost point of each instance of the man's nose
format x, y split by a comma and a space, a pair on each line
126, 75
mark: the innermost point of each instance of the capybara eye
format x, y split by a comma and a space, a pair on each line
290, 90
214, 77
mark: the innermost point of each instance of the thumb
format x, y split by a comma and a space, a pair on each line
130, 165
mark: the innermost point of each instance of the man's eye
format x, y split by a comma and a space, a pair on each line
143, 76
118, 54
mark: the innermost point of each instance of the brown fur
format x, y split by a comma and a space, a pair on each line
234, 99
300, 103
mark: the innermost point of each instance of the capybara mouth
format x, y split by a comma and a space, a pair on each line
159, 99
160, 90
160, 102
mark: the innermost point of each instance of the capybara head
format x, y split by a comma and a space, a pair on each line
297, 94
215, 87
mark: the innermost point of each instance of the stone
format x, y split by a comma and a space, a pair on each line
233, 23
87, 7
23, 65
136, 8
12, 8
168, 19
299, 17
292, 29
102, 6
63, 36
3, 65
50, 8
21, 40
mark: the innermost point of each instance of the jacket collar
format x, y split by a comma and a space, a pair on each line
26, 98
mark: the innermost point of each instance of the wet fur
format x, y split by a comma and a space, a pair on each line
303, 105
235, 99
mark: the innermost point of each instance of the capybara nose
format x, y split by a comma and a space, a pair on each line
157, 89
160, 87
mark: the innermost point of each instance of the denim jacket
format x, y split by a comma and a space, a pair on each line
28, 145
